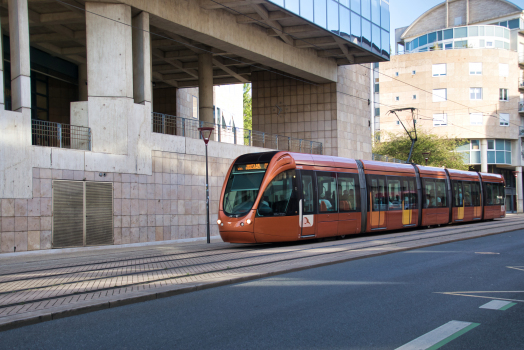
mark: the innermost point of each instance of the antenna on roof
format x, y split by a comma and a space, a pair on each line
412, 134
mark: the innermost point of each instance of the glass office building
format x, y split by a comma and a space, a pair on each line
362, 22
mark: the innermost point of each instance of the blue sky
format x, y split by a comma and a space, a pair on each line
404, 12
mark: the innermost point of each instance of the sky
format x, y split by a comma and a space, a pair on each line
404, 12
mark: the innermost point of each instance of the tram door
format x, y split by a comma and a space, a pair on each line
307, 198
377, 200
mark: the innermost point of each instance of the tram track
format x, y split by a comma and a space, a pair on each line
177, 272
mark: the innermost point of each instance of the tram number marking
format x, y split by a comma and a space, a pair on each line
307, 221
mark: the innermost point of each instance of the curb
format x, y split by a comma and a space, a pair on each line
168, 291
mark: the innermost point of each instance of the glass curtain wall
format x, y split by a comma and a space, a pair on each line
363, 22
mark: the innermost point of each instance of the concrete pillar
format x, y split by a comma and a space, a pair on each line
109, 50
205, 87
20, 61
82, 82
2, 99
520, 192
484, 156
141, 59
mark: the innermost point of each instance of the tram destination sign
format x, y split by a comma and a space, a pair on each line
251, 167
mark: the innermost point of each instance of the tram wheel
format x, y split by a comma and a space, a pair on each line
342, 237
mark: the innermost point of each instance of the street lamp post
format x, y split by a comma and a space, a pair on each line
205, 132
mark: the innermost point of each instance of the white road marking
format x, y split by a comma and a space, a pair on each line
435, 336
495, 305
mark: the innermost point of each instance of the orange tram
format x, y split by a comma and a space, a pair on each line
283, 196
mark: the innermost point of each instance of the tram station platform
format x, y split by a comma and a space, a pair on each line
49, 285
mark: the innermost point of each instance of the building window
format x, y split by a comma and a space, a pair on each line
377, 111
396, 74
439, 70
475, 118
397, 98
503, 70
377, 88
440, 95
414, 97
440, 119
414, 72
458, 21
504, 119
503, 94
499, 152
475, 93
475, 68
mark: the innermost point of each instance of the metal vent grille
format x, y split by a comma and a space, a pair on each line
68, 214
99, 213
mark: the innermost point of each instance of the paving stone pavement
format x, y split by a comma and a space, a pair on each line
41, 287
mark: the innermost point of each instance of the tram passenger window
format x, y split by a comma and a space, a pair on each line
409, 194
308, 192
475, 194
457, 194
394, 199
489, 194
441, 193
430, 199
348, 192
501, 196
280, 196
413, 194
327, 192
467, 194
377, 188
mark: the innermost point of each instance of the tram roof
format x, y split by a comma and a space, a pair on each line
492, 177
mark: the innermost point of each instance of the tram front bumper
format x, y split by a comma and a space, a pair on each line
238, 236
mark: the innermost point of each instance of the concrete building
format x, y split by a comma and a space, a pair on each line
93, 148
460, 64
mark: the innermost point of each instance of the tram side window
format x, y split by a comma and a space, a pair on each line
475, 194
394, 199
280, 196
498, 194
308, 193
442, 198
349, 194
327, 192
489, 193
430, 199
378, 193
409, 194
457, 194
467, 194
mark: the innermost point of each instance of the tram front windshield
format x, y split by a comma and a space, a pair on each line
242, 188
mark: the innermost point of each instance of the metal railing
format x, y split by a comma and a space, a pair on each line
382, 158
172, 125
60, 135
521, 131
521, 107
521, 83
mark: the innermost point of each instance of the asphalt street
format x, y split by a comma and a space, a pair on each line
383, 302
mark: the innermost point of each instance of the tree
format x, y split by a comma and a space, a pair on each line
443, 150
248, 111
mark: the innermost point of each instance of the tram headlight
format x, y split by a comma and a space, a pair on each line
248, 222
219, 222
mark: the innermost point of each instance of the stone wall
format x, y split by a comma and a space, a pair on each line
325, 113
167, 205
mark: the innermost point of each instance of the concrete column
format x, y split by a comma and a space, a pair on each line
82, 82
205, 87
141, 59
109, 50
520, 192
20, 61
2, 99
447, 13
484, 156
467, 12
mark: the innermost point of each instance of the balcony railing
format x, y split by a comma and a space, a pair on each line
521, 131
172, 125
382, 158
521, 83
521, 58
60, 135
521, 107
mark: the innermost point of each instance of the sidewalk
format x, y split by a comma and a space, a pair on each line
41, 287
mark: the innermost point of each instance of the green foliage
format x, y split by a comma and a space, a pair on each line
443, 150
248, 111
